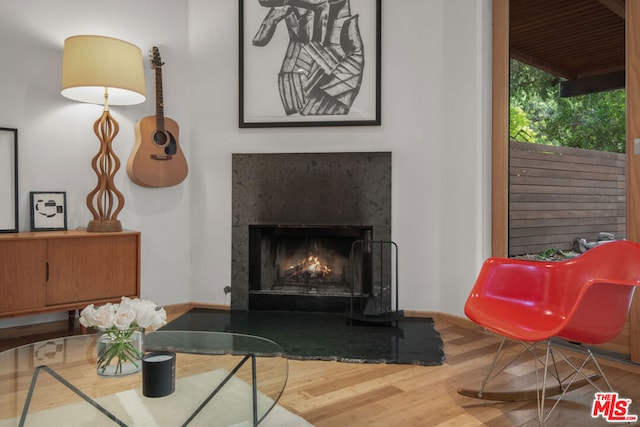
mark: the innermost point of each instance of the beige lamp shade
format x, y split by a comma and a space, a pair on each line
92, 64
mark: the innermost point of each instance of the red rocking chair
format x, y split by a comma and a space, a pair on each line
584, 300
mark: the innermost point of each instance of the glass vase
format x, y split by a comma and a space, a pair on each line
119, 352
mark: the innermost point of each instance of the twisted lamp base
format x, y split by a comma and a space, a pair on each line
105, 201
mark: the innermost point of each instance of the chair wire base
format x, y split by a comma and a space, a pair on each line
565, 383
549, 362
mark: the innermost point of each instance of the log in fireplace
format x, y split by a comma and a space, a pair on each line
295, 217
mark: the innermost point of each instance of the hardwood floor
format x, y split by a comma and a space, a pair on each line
339, 394
329, 394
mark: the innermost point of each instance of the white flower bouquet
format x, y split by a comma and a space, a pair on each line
121, 339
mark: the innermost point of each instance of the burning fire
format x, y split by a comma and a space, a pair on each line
309, 268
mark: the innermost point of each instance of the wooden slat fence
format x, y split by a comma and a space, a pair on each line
557, 194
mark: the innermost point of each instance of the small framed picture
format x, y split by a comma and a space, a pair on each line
48, 210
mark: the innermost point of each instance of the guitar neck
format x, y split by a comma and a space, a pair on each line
159, 101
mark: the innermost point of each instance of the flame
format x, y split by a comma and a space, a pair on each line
311, 267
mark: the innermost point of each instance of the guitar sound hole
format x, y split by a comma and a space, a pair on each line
160, 138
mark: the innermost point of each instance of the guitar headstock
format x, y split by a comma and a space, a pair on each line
156, 61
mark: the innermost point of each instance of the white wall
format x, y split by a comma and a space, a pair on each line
435, 103
466, 202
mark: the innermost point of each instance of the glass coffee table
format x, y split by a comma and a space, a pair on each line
221, 379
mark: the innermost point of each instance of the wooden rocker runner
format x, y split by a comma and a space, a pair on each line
572, 381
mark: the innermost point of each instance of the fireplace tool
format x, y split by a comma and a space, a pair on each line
373, 304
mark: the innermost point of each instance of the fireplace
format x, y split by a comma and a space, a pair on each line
315, 268
296, 218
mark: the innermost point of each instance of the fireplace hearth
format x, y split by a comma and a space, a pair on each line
295, 219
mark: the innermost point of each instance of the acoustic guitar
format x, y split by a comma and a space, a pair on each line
157, 159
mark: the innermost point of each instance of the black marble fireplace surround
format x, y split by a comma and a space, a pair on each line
304, 197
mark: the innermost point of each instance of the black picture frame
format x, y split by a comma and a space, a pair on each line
271, 98
48, 210
8, 180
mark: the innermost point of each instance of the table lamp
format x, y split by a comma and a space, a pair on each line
103, 70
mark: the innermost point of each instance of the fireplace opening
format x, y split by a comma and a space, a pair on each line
306, 267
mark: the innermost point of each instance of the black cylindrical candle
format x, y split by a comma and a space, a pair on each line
158, 374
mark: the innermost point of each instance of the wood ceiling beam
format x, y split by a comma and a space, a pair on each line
593, 84
616, 6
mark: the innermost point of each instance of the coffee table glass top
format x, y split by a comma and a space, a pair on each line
205, 361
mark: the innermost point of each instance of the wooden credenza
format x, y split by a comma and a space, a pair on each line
66, 270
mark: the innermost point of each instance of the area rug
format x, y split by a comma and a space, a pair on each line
228, 408
326, 336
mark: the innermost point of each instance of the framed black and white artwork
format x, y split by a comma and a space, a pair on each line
309, 63
48, 210
8, 180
